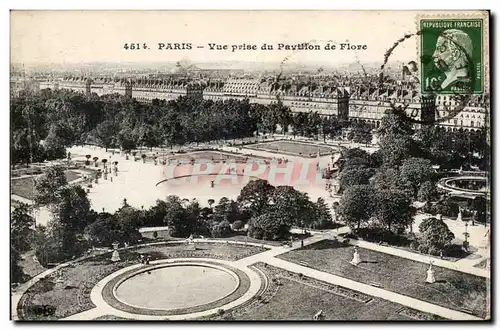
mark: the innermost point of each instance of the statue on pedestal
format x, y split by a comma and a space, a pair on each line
430, 274
190, 242
356, 259
115, 256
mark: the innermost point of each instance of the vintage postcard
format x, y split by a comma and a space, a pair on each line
250, 165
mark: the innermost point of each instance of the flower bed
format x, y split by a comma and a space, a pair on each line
68, 290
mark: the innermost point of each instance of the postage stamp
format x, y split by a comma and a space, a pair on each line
452, 55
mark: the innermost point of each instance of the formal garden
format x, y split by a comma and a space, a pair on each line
67, 291
457, 290
25, 186
293, 148
291, 296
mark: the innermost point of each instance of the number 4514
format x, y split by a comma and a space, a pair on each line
135, 46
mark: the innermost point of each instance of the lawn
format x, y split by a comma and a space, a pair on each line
71, 294
245, 238
68, 297
453, 289
71, 175
214, 155
25, 187
290, 297
293, 148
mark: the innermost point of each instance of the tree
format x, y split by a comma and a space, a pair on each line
396, 148
227, 209
395, 123
427, 192
415, 171
16, 271
103, 231
291, 206
106, 132
357, 205
176, 217
60, 135
331, 127
193, 211
322, 216
95, 161
386, 177
71, 212
104, 161
47, 185
21, 228
480, 205
146, 135
255, 195
393, 210
25, 147
125, 139
155, 215
211, 202
51, 251
129, 220
360, 133
396, 141
87, 162
269, 225
313, 124
355, 157
222, 229
354, 176
335, 208
435, 233
237, 225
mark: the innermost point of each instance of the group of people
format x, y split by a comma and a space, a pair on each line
144, 260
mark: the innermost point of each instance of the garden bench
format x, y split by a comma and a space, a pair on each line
303, 263
375, 284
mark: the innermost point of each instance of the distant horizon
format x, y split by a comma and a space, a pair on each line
224, 65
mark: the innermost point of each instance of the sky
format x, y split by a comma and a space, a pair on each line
42, 37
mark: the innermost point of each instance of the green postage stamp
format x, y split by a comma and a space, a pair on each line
453, 54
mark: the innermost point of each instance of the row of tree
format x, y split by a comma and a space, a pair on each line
379, 189
61, 118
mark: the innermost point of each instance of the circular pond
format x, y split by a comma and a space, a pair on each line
176, 287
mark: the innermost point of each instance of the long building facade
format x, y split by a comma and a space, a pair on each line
355, 103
